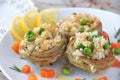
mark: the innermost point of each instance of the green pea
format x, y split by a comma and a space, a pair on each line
116, 51
83, 22
91, 46
30, 32
106, 46
66, 71
80, 45
81, 30
118, 40
90, 38
30, 36
87, 51
40, 30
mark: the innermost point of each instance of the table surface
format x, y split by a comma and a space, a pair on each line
68, 3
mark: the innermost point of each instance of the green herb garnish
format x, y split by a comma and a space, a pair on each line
80, 45
33, 49
15, 68
118, 40
90, 38
40, 31
117, 33
22, 58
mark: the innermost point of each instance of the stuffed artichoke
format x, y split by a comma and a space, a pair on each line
79, 22
90, 52
42, 45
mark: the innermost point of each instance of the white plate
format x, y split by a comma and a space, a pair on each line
8, 58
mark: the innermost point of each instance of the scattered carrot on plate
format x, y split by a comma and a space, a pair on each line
101, 78
26, 69
116, 48
115, 45
15, 47
104, 34
15, 68
32, 77
47, 73
116, 63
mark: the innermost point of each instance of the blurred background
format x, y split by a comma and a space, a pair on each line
11, 8
110, 5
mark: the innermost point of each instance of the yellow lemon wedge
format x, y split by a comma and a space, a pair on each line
29, 19
16, 29
47, 16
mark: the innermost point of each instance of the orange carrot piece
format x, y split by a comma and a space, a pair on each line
15, 47
116, 63
47, 73
115, 45
102, 78
43, 72
51, 73
26, 69
105, 36
32, 77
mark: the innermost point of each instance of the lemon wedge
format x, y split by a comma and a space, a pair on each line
29, 19
47, 16
16, 29
32, 19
